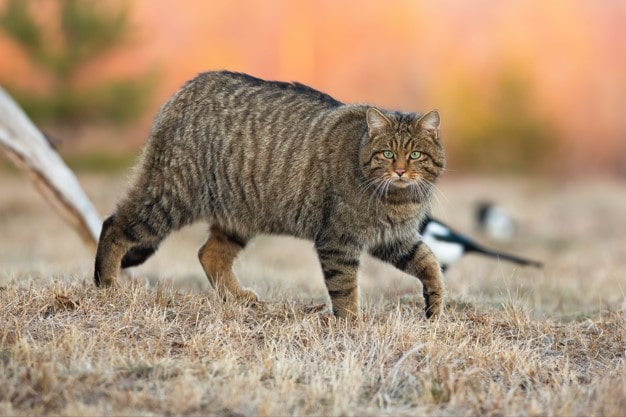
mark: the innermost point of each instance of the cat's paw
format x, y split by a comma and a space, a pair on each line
349, 313
249, 297
109, 282
434, 310
239, 295
315, 308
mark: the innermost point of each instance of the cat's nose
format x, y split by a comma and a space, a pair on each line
400, 172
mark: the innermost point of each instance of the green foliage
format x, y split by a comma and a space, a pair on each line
87, 31
17, 21
499, 129
99, 162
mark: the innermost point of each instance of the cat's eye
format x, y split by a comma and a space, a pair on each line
415, 155
388, 154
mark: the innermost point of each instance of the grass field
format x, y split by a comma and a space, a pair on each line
513, 341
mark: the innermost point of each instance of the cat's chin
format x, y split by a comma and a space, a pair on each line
399, 183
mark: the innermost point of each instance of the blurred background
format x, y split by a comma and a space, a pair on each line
524, 87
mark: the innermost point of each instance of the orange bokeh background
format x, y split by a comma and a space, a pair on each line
404, 54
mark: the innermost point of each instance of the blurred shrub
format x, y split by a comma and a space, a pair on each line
100, 162
87, 31
498, 129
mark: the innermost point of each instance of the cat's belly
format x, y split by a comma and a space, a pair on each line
247, 222
309, 218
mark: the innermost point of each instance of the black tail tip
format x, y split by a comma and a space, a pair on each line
96, 279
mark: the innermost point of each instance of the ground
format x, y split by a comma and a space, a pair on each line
512, 341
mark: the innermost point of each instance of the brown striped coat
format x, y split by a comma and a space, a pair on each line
255, 157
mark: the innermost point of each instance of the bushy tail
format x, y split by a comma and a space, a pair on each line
122, 245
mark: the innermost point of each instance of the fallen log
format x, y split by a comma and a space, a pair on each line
28, 148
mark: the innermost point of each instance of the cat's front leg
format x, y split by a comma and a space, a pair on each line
339, 266
416, 258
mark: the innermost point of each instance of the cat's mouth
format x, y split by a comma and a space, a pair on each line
401, 182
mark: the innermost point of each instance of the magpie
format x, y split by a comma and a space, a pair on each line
449, 246
495, 221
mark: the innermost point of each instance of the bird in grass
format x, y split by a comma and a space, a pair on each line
449, 246
494, 221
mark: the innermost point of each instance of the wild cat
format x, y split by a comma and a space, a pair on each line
251, 157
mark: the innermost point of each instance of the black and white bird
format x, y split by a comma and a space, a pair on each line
449, 246
494, 221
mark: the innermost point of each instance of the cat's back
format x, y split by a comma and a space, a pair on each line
225, 90
222, 105
253, 150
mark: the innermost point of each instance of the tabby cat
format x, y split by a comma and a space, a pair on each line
251, 156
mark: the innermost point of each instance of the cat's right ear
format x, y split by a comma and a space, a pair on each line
376, 121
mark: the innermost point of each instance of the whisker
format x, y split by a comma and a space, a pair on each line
436, 193
364, 186
369, 186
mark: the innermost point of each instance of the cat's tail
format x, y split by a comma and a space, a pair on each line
130, 236
159, 203
137, 255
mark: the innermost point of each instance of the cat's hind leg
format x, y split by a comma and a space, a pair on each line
216, 257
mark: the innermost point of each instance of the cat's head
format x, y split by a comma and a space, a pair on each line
401, 151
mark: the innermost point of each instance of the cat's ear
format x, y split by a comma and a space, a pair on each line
429, 121
376, 121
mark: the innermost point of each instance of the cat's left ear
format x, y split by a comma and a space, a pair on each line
429, 121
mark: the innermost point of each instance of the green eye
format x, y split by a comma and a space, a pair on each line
415, 155
388, 154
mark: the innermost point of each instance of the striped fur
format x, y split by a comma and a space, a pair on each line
255, 157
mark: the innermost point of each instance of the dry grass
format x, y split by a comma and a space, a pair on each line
512, 341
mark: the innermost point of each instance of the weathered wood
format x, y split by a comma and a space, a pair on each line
27, 147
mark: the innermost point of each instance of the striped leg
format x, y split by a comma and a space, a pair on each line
217, 256
415, 258
340, 265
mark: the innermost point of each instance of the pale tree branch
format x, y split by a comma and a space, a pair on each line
27, 147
